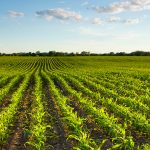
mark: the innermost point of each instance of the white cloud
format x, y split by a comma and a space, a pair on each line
118, 7
59, 13
132, 21
114, 19
15, 14
97, 21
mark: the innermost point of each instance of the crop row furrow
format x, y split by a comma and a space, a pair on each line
71, 119
108, 123
7, 115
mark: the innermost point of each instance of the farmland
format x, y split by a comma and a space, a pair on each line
87, 103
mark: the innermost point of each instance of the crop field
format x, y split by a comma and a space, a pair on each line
75, 103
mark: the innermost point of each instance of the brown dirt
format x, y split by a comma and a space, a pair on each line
58, 140
95, 132
19, 136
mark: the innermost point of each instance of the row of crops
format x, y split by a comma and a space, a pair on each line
54, 104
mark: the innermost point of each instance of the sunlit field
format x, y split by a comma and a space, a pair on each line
68, 103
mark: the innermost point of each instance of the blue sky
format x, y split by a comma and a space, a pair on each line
73, 26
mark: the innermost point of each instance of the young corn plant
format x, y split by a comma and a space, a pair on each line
101, 117
7, 115
38, 126
71, 119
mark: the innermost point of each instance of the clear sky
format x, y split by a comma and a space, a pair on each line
74, 25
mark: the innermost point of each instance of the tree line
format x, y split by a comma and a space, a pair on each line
83, 53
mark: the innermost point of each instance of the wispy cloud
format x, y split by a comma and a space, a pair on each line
97, 21
132, 21
59, 13
15, 14
118, 7
112, 19
115, 19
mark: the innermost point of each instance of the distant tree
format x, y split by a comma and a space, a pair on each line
111, 54
37, 53
140, 53
84, 53
71, 54
121, 54
33, 54
51, 53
